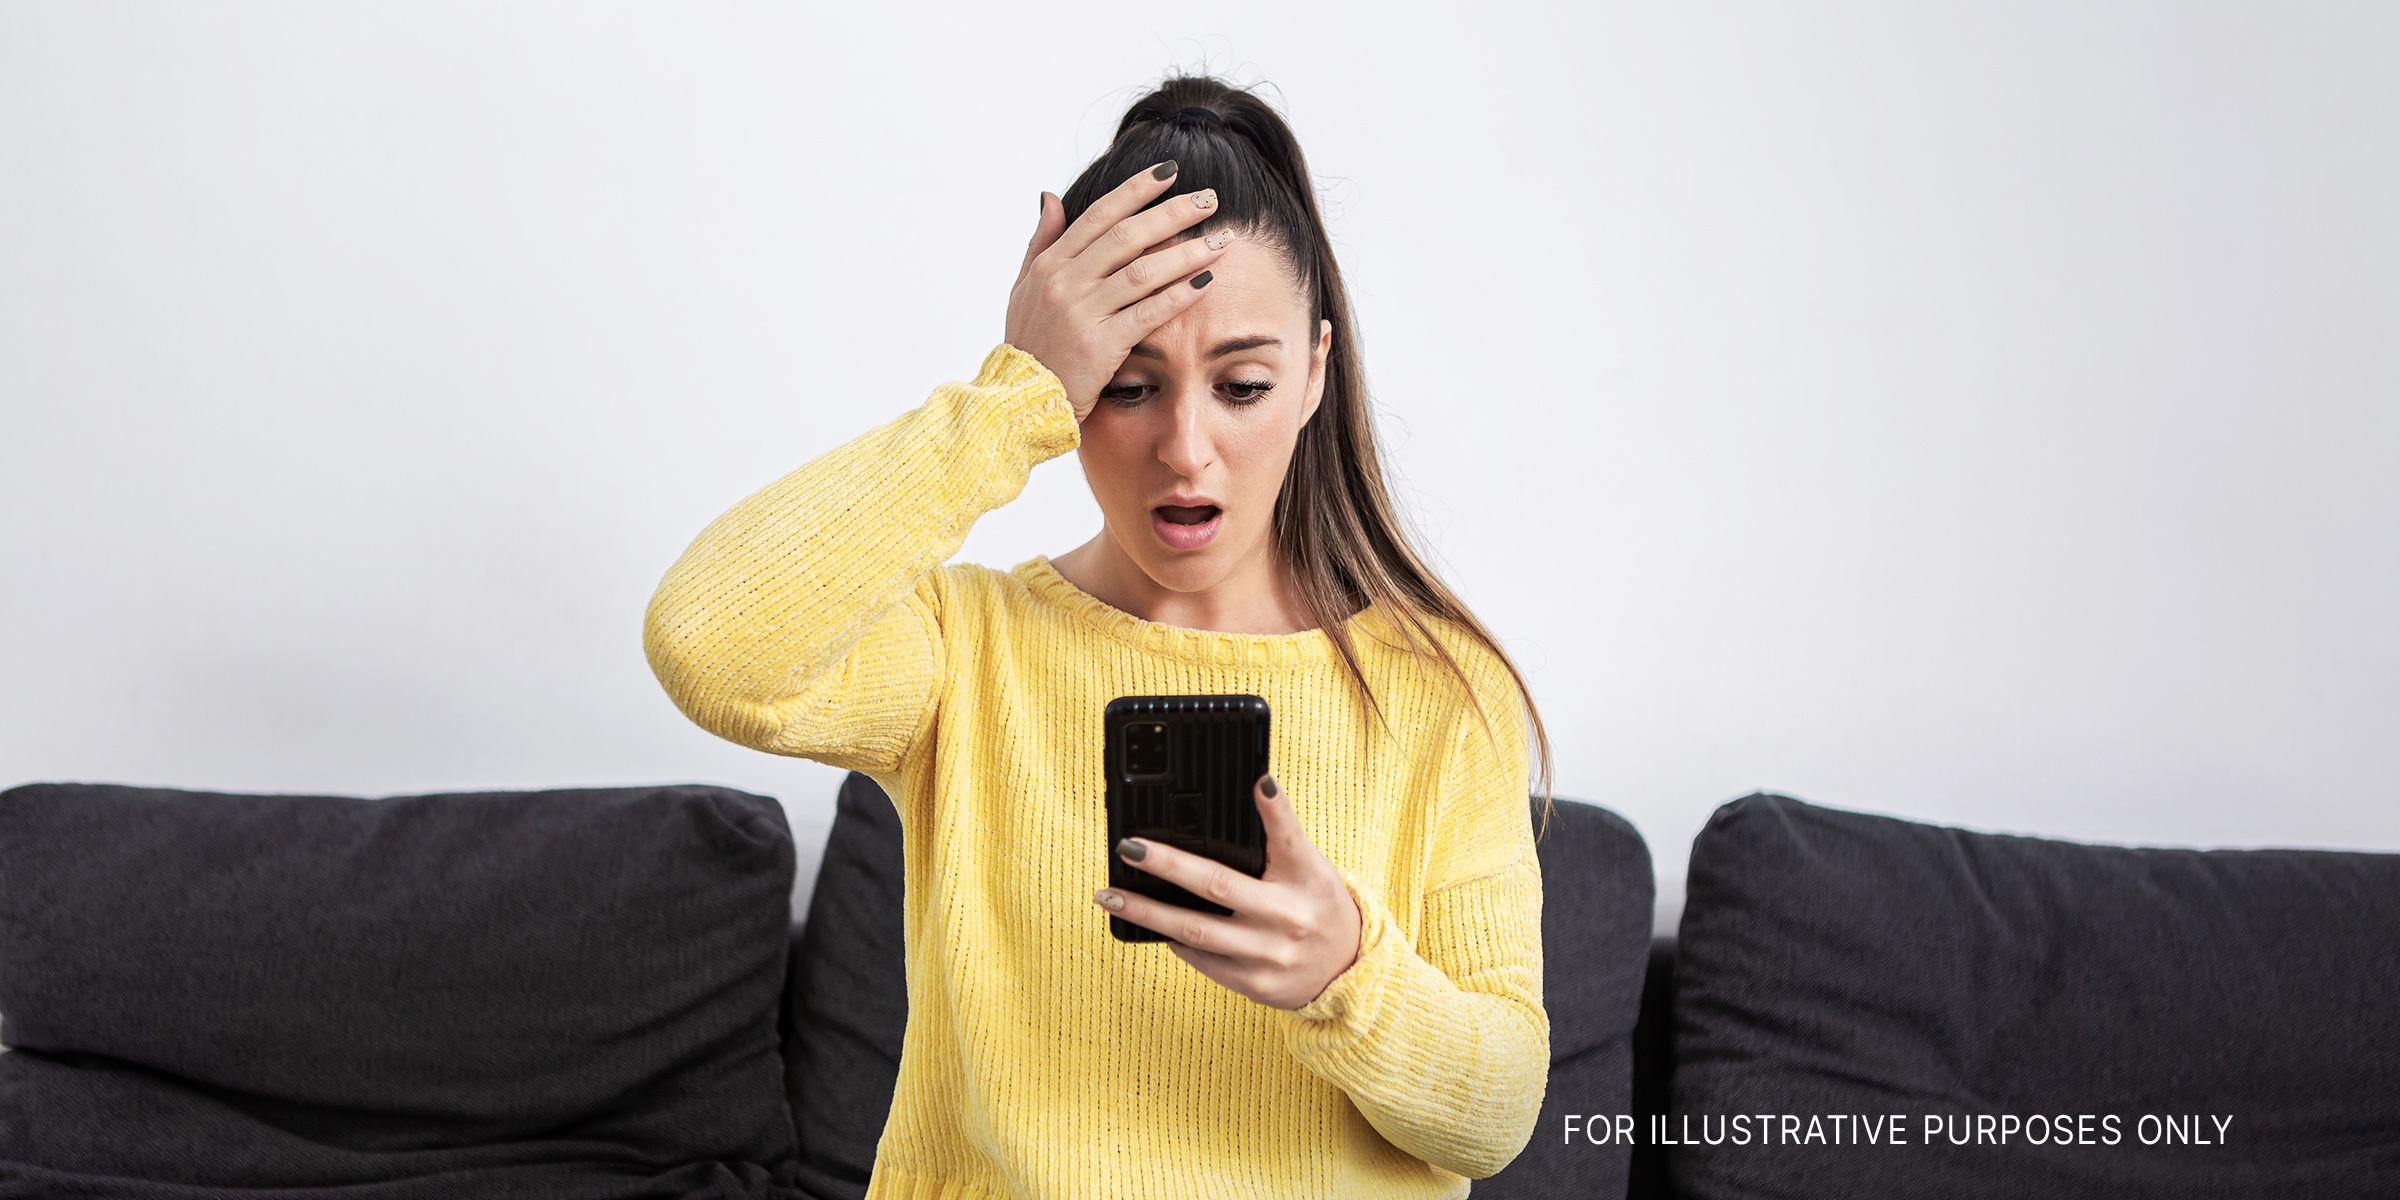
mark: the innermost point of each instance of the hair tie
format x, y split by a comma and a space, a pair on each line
1195, 116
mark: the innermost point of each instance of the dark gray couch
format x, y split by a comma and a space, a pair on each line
2036, 1017
570, 995
599, 994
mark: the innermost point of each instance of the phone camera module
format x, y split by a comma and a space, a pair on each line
1146, 752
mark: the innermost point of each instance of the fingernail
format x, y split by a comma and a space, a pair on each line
1219, 240
1204, 198
1109, 900
1165, 170
1271, 788
1043, 203
1198, 281
1132, 851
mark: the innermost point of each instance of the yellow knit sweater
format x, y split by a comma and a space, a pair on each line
1044, 1058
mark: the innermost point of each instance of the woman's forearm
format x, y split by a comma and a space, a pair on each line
1447, 1061
1441, 1039
757, 631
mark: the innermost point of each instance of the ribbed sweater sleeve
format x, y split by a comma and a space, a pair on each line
1443, 1043
797, 623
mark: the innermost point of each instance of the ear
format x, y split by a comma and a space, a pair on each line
1316, 370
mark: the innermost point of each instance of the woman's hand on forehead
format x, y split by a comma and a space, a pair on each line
1091, 291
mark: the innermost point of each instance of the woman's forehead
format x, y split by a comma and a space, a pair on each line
1251, 292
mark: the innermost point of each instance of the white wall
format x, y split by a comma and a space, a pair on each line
1987, 414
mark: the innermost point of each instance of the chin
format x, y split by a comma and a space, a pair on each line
1222, 548
1190, 572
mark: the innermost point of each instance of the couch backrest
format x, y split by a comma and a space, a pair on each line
2191, 1023
566, 993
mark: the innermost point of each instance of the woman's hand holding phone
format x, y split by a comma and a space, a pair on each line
1292, 932
1088, 293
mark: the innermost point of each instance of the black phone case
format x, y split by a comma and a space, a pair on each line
1181, 770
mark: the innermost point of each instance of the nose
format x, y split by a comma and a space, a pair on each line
1188, 446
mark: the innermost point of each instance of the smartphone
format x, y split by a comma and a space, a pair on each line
1181, 772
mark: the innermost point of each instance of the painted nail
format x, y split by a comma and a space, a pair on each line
1198, 281
1271, 788
1204, 198
1218, 240
1045, 203
1165, 170
1109, 900
1132, 851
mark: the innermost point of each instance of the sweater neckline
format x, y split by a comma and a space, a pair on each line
1306, 648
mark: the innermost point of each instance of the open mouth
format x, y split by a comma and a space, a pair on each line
1175, 514
1184, 527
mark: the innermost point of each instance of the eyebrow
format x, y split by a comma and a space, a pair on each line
1223, 348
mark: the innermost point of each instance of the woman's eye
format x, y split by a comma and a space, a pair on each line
1241, 392
1127, 394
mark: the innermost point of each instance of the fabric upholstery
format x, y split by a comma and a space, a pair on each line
848, 1002
563, 993
1839, 963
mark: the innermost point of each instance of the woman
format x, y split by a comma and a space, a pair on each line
1369, 1019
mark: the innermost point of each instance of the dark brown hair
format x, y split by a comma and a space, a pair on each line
1335, 526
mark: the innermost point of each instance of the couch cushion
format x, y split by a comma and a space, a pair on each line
848, 1002
563, 993
850, 996
1838, 964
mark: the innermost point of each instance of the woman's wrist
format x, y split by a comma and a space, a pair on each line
1340, 991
